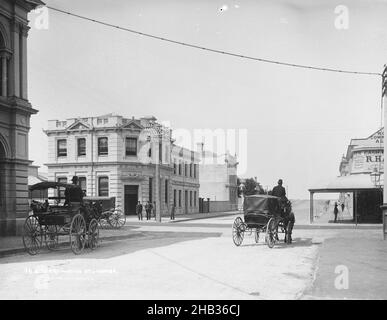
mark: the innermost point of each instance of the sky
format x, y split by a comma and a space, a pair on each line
298, 122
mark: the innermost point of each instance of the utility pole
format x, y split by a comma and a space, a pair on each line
384, 104
159, 156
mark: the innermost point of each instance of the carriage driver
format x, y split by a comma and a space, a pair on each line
280, 192
74, 194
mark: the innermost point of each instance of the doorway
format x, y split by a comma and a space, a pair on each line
131, 199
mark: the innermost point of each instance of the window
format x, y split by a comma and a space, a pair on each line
180, 168
62, 190
150, 189
166, 191
161, 151
190, 198
186, 170
62, 148
103, 186
131, 146
195, 198
174, 197
103, 146
81, 147
195, 171
190, 170
150, 152
180, 198
174, 167
82, 184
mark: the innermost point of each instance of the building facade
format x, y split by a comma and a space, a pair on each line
15, 112
364, 160
218, 179
130, 159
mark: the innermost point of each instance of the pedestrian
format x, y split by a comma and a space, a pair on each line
342, 207
147, 210
139, 210
335, 211
173, 212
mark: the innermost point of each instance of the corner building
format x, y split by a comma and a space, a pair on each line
116, 157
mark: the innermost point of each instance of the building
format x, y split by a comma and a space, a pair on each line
361, 179
15, 113
218, 179
35, 176
120, 157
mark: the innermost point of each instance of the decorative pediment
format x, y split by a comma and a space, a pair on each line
78, 125
132, 125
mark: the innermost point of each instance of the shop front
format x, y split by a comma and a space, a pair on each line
361, 179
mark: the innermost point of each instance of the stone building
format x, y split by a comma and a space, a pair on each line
116, 156
218, 179
15, 112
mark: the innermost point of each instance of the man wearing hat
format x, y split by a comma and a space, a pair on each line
279, 191
74, 194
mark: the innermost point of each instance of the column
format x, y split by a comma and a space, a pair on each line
14, 72
23, 62
4, 78
311, 216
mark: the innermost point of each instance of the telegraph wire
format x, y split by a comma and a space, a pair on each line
213, 50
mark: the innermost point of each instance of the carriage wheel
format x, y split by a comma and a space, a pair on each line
77, 233
51, 237
256, 236
93, 234
117, 219
271, 233
103, 223
32, 235
238, 230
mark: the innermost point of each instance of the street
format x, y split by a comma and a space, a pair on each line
187, 260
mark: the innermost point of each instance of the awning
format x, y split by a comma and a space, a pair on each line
33, 180
354, 182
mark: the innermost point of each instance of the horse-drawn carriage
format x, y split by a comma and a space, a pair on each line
106, 212
264, 214
52, 217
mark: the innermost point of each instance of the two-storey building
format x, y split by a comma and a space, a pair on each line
130, 159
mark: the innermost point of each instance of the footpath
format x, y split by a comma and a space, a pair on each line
350, 268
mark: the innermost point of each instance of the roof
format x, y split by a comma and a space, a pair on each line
354, 182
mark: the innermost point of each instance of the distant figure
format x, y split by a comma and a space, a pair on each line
139, 210
173, 212
148, 210
73, 194
342, 207
335, 211
279, 190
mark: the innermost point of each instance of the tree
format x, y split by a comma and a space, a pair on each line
251, 187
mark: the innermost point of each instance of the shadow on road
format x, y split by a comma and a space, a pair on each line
297, 242
114, 246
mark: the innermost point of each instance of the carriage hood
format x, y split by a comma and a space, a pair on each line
263, 204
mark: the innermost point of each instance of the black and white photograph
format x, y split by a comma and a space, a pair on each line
215, 151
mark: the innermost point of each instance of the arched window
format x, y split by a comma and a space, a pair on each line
2, 187
4, 65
